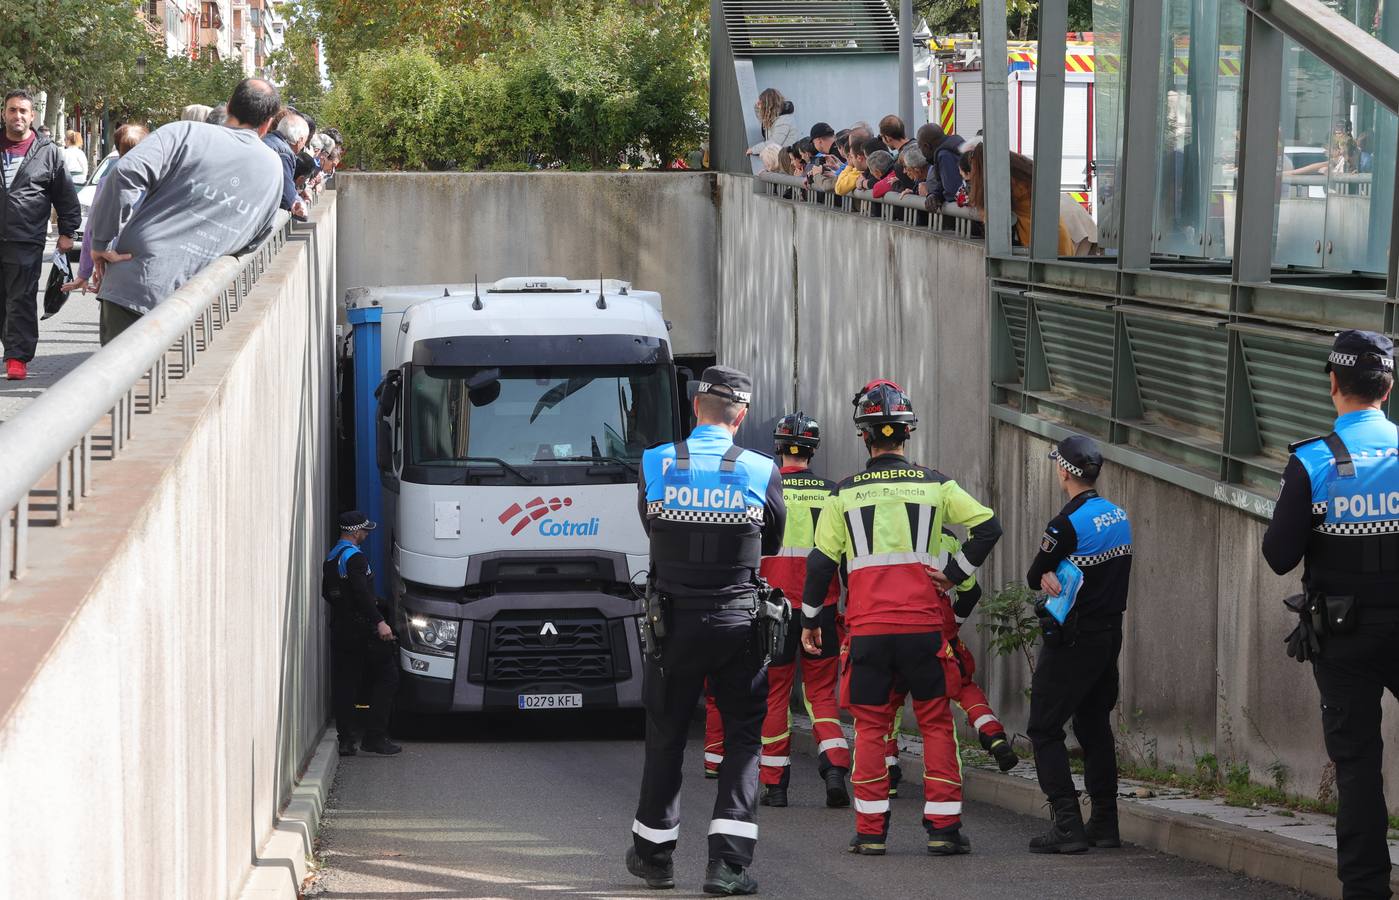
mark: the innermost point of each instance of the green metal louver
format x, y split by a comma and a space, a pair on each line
1180, 368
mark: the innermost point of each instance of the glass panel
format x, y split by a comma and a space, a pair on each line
550, 415
1201, 63
1337, 160
1106, 103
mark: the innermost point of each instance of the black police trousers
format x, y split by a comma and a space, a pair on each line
1352, 674
364, 670
1078, 683
721, 646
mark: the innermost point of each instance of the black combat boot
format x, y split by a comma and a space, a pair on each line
1101, 829
867, 844
380, 743
837, 797
948, 842
658, 872
999, 747
728, 879
347, 746
1065, 834
773, 795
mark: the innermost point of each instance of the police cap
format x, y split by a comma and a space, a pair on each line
1362, 350
354, 520
731, 384
1079, 456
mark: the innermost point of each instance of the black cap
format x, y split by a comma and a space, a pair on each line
354, 520
1362, 350
822, 130
731, 384
1079, 456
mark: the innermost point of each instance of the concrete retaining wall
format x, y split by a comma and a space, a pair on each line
653, 229
815, 303
181, 692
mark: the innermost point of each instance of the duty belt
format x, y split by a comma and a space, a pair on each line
709, 604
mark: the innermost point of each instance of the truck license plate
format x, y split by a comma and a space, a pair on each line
551, 701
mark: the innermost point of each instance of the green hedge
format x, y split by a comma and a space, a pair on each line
597, 92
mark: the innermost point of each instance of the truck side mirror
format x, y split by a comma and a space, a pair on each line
483, 387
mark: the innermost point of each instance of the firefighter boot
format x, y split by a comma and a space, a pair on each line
1065, 834
998, 745
725, 878
948, 842
773, 795
1102, 823
837, 797
657, 873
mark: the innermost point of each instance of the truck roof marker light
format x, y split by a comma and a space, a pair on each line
476, 304
601, 297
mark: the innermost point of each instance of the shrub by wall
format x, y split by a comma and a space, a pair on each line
592, 92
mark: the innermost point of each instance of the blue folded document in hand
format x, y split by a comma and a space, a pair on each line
1070, 580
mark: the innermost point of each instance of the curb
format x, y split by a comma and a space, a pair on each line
1232, 848
282, 862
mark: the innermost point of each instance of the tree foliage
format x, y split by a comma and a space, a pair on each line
297, 62
581, 91
1022, 16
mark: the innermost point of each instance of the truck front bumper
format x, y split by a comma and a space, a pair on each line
583, 643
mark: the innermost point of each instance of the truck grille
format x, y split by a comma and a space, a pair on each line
572, 635
522, 650
570, 667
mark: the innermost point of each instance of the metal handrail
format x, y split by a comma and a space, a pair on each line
950, 220
54, 434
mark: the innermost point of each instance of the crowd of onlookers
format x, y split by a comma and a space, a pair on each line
175, 199
932, 167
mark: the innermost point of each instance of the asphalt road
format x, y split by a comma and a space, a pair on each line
542, 806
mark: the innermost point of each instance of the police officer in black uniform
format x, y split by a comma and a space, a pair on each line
712, 511
1338, 514
1076, 677
363, 651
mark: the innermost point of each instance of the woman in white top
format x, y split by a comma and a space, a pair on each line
775, 115
74, 157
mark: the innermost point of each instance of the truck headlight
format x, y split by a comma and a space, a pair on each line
434, 635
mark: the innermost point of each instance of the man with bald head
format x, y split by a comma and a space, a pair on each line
186, 195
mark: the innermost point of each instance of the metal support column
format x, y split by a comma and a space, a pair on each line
1141, 143
996, 128
1049, 130
1256, 192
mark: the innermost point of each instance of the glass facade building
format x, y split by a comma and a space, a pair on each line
1245, 176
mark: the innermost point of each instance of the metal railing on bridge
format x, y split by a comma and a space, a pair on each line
48, 447
951, 220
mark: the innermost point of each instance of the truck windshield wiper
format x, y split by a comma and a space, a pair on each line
499, 462
596, 459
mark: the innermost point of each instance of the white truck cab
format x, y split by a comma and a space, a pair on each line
498, 435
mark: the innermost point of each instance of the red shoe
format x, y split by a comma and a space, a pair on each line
16, 370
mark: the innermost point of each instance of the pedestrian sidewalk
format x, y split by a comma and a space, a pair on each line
1296, 850
64, 342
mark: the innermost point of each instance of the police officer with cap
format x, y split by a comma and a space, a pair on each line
362, 643
1085, 557
1338, 514
712, 511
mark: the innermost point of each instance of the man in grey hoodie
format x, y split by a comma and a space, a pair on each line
188, 194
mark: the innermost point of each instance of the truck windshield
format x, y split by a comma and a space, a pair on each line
551, 416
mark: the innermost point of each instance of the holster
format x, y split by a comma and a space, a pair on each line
778, 640
655, 622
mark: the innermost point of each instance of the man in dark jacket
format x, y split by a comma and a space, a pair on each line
34, 180
942, 152
288, 140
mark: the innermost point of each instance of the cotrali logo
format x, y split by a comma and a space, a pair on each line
532, 511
